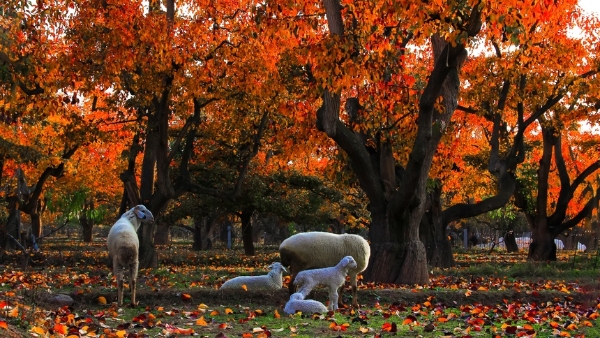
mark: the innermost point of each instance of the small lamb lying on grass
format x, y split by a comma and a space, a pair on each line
271, 281
306, 306
332, 277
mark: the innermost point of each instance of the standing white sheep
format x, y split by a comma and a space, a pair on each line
332, 277
123, 245
308, 306
311, 250
271, 281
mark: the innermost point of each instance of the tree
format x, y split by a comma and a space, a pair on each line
569, 209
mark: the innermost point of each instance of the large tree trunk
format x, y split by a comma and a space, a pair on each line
12, 227
87, 223
162, 235
397, 254
247, 237
438, 245
36, 224
87, 226
510, 242
542, 247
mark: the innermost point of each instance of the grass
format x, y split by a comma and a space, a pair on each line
486, 295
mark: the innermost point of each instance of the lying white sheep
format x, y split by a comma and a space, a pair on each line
271, 281
311, 250
307, 306
123, 245
332, 277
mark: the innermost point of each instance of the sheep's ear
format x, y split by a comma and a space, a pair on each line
142, 213
139, 213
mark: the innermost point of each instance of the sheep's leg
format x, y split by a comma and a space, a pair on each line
293, 273
133, 271
353, 283
340, 299
118, 272
333, 298
291, 286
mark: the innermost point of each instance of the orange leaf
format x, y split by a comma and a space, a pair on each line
3, 324
38, 330
214, 313
228, 311
277, 315
245, 287
223, 326
442, 319
201, 321
247, 335
186, 296
101, 300
60, 328
565, 334
14, 313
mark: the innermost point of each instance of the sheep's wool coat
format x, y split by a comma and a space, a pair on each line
122, 236
312, 250
271, 281
306, 306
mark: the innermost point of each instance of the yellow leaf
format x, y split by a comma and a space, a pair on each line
277, 315
14, 313
38, 330
121, 333
201, 321
102, 300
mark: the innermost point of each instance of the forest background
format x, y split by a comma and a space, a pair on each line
399, 120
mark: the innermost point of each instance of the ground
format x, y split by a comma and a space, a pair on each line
495, 294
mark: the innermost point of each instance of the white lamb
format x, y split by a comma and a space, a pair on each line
308, 306
312, 250
271, 281
332, 277
123, 245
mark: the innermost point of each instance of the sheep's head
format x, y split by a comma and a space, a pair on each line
276, 266
138, 215
348, 262
143, 214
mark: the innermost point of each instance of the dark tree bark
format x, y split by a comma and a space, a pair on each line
511, 242
247, 237
397, 254
546, 227
12, 228
86, 221
438, 246
162, 235
394, 230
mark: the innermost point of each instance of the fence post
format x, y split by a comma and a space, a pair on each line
465, 239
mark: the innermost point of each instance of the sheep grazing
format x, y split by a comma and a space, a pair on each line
333, 277
312, 250
271, 281
308, 306
123, 245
